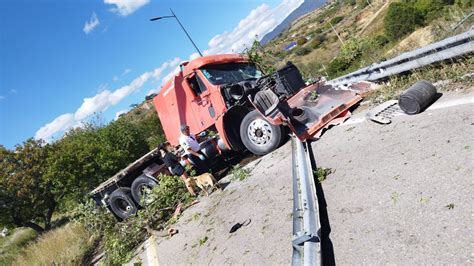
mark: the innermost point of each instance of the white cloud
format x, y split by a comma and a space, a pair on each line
90, 25
126, 7
13, 91
2, 97
59, 124
100, 102
124, 73
103, 100
121, 112
260, 21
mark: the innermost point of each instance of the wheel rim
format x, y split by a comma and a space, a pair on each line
123, 206
259, 132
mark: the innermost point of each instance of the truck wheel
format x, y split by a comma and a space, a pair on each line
139, 187
258, 135
121, 203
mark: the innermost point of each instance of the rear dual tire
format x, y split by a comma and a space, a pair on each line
121, 203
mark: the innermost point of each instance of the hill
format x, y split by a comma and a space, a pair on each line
306, 7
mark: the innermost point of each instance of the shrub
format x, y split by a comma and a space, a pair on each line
431, 9
301, 41
336, 20
381, 40
317, 41
401, 19
302, 51
350, 2
336, 66
464, 3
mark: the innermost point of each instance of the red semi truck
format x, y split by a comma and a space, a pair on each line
229, 95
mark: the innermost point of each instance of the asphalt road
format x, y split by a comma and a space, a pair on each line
402, 193
399, 194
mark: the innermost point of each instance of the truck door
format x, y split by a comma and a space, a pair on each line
201, 105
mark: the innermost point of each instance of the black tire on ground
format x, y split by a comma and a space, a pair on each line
138, 185
122, 204
258, 135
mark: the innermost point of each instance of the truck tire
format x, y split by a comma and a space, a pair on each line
138, 186
258, 135
121, 203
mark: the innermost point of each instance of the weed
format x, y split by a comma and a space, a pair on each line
321, 173
424, 200
450, 206
203, 240
467, 147
196, 216
396, 177
350, 129
394, 197
313, 96
239, 173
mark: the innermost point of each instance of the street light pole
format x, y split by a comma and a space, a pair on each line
182, 27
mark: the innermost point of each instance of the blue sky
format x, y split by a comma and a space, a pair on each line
61, 61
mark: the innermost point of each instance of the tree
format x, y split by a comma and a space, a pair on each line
26, 194
261, 58
401, 19
87, 156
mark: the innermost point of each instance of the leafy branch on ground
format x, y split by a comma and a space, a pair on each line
239, 173
121, 238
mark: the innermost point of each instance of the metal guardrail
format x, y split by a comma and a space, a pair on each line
451, 47
306, 225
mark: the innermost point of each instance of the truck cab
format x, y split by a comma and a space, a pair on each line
204, 95
229, 95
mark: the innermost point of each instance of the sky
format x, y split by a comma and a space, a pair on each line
64, 61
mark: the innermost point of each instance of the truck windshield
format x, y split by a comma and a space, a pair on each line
231, 72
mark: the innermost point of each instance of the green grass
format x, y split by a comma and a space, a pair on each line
11, 246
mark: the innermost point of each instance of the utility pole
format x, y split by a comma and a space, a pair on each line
182, 27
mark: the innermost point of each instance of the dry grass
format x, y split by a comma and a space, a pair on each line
459, 72
11, 245
63, 246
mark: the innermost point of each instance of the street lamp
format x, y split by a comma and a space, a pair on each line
174, 16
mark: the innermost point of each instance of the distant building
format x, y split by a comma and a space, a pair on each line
290, 46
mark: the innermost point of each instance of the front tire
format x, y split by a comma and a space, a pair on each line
258, 135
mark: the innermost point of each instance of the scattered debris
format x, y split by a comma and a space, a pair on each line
237, 226
416, 98
450, 206
384, 112
172, 232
